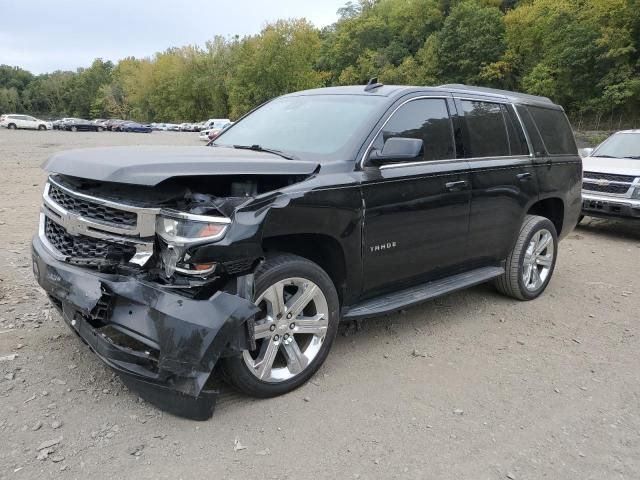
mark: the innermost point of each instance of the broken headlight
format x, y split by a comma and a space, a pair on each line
179, 231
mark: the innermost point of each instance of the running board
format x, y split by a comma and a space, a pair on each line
421, 293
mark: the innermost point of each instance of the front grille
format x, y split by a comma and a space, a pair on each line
610, 188
94, 250
609, 176
91, 210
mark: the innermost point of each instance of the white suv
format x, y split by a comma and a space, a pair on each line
14, 121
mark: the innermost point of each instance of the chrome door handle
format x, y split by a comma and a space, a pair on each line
524, 176
453, 186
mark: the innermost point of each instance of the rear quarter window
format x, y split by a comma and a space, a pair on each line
555, 130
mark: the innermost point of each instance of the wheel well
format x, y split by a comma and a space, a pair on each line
551, 208
320, 249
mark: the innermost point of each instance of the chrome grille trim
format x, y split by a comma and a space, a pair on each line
141, 236
620, 186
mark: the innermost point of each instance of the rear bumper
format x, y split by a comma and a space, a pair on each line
606, 206
163, 345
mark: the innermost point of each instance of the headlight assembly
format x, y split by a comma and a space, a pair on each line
181, 229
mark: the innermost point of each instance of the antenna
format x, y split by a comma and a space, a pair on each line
372, 84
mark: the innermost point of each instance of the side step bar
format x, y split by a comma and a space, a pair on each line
421, 293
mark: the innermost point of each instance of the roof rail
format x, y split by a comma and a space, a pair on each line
496, 91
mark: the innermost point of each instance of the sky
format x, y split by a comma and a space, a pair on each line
47, 35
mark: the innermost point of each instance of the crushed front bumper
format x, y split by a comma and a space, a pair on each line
163, 345
606, 206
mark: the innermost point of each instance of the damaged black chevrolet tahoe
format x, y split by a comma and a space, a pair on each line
319, 206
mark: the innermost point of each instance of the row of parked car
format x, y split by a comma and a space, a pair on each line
208, 129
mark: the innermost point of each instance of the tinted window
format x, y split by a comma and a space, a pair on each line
486, 129
555, 130
517, 140
532, 130
427, 120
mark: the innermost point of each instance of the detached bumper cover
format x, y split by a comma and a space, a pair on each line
163, 345
605, 206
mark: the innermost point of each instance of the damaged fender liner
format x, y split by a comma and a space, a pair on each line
188, 335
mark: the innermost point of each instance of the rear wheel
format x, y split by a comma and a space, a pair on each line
74, 129
294, 330
41, 127
530, 264
12, 126
99, 129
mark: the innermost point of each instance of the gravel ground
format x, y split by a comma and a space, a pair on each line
472, 385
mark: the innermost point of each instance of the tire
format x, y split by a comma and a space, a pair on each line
74, 129
41, 127
516, 281
99, 129
12, 126
295, 356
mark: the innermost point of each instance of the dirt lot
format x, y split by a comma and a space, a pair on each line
470, 386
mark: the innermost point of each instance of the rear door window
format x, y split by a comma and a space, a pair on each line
486, 129
555, 130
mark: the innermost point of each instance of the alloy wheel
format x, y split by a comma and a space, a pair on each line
538, 260
290, 331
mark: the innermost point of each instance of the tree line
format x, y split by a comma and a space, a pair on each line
584, 54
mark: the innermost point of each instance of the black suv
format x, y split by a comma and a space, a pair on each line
319, 206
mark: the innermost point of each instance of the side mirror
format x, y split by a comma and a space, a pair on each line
398, 149
586, 152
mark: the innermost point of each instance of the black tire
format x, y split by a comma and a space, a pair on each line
276, 268
99, 129
41, 127
512, 283
12, 126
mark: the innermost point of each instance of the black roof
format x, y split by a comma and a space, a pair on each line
395, 91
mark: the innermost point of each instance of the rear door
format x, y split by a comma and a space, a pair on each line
416, 212
503, 176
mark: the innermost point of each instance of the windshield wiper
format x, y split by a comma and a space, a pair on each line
605, 156
258, 148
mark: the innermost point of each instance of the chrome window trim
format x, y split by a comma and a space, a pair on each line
498, 101
449, 160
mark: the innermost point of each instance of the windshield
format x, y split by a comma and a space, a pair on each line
319, 127
622, 145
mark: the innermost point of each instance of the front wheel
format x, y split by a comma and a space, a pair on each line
530, 264
74, 129
41, 127
12, 126
294, 330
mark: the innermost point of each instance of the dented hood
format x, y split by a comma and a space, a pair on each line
152, 165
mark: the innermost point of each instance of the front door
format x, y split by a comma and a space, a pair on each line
416, 212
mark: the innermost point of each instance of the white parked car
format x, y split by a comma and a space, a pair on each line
611, 177
13, 121
214, 128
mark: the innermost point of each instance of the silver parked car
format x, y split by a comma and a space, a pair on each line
611, 178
